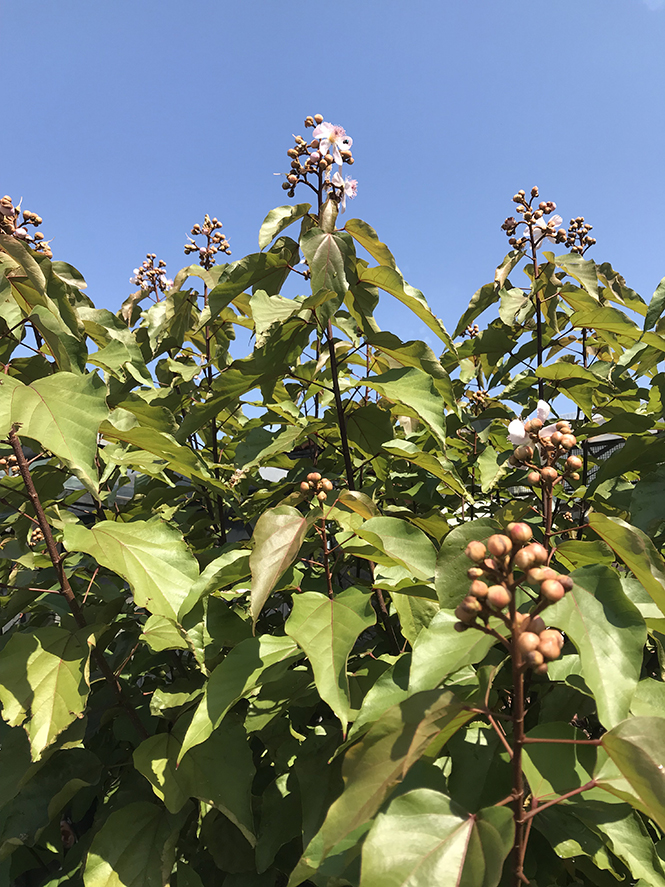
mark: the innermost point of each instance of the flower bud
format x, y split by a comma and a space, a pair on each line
552, 590
563, 426
536, 624
314, 475
573, 463
318, 118
304, 487
575, 476
528, 641
536, 425
540, 669
478, 589
475, 551
566, 582
315, 156
520, 533
471, 604
549, 475
460, 626
293, 179
534, 658
326, 485
475, 573
533, 478
292, 152
550, 644
465, 617
322, 496
499, 545
498, 596
555, 438
523, 453
568, 441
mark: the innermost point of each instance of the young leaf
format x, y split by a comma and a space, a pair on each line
327, 630
423, 838
45, 682
609, 633
280, 218
278, 535
151, 555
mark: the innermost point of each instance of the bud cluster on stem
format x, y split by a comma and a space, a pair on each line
315, 484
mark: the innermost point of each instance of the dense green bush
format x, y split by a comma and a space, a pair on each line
331, 613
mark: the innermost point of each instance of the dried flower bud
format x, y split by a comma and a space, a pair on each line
322, 496
314, 475
318, 118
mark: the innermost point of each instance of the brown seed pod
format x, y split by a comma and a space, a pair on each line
520, 533
536, 425
478, 589
536, 624
470, 604
550, 644
549, 475
528, 641
464, 616
523, 453
475, 551
534, 658
555, 438
552, 590
498, 596
499, 545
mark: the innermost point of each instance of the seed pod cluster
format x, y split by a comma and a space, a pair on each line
554, 444
9, 464
492, 585
314, 483
36, 537
306, 158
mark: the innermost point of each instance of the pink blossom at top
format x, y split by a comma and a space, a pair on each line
546, 229
349, 187
332, 138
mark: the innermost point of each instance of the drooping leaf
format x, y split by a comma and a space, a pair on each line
376, 764
637, 748
134, 848
44, 682
432, 463
368, 238
413, 390
609, 633
484, 297
656, 306
423, 838
327, 630
219, 771
636, 550
151, 555
278, 535
251, 663
280, 218
71, 433
402, 543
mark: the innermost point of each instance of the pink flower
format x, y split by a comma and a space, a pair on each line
348, 187
332, 138
518, 436
546, 229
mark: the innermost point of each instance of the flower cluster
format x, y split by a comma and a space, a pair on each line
151, 277
537, 227
316, 484
551, 441
215, 243
312, 162
16, 224
493, 586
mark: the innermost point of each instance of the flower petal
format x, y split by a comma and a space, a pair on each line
547, 431
516, 433
542, 410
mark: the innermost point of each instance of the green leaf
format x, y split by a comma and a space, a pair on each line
376, 764
134, 848
493, 467
369, 427
368, 238
636, 550
583, 270
220, 772
423, 838
390, 280
269, 270
280, 218
450, 580
574, 553
402, 543
330, 259
45, 682
278, 535
656, 306
360, 503
252, 663
554, 769
327, 630
609, 633
484, 297
415, 614
413, 389
637, 747
405, 449
150, 555
70, 434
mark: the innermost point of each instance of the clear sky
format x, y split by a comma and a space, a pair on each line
125, 121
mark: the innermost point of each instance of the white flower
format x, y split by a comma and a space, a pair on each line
517, 434
166, 282
332, 138
348, 187
543, 229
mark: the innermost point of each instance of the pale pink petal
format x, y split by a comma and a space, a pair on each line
323, 131
516, 433
337, 157
542, 410
547, 431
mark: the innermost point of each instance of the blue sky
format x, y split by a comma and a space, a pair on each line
124, 122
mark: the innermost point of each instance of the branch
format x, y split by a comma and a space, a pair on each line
570, 794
